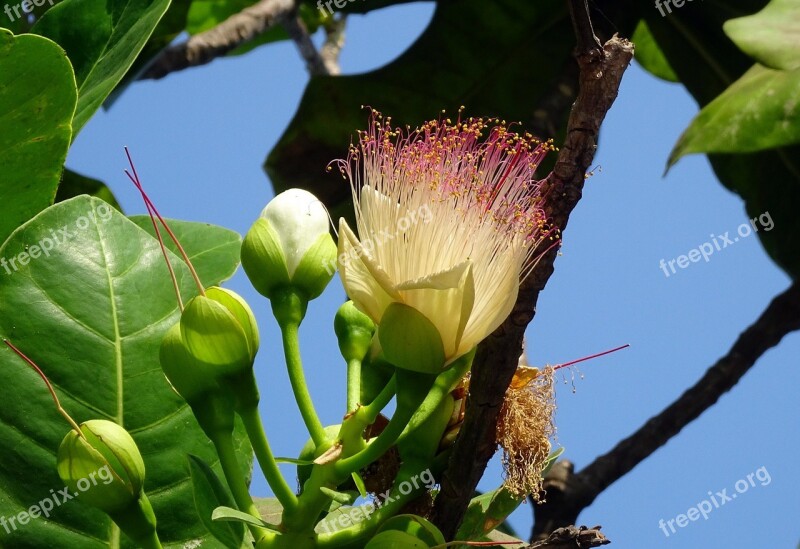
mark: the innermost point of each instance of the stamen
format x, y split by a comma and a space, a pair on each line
564, 365
39, 371
135, 179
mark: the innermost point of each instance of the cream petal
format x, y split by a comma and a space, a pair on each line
364, 281
446, 299
493, 305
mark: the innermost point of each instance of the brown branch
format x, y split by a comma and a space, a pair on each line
568, 494
571, 537
334, 42
206, 46
299, 34
601, 72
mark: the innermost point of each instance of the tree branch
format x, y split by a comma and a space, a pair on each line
299, 34
204, 47
600, 75
334, 42
568, 494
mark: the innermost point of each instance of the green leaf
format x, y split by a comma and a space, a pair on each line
36, 108
771, 36
392, 539
74, 184
85, 293
102, 39
486, 512
339, 497
294, 461
210, 493
708, 63
508, 541
551, 460
213, 250
228, 514
416, 526
270, 509
650, 56
359, 482
759, 111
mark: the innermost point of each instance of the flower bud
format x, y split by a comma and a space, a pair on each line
109, 453
354, 331
289, 245
219, 330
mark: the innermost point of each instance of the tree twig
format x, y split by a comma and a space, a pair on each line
299, 34
601, 71
206, 46
568, 494
334, 42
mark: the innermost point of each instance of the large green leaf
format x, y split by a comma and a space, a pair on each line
212, 250
707, 63
772, 36
759, 111
91, 311
102, 39
210, 493
37, 101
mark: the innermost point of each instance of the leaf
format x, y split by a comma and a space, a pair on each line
416, 526
210, 493
392, 539
486, 512
759, 111
36, 108
359, 482
213, 250
771, 36
551, 460
102, 39
74, 184
708, 62
507, 540
293, 460
479, 64
86, 294
650, 56
228, 514
270, 509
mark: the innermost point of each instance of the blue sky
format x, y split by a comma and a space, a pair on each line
199, 138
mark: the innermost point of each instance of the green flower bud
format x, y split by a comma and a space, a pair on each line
219, 329
354, 331
289, 245
109, 457
410, 340
185, 373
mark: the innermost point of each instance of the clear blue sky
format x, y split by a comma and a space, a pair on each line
199, 138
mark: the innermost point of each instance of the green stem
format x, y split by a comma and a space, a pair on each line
291, 349
223, 442
258, 438
353, 383
370, 411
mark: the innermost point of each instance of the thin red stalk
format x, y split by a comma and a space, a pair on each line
137, 182
39, 371
559, 366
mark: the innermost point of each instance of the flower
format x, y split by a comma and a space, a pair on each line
461, 265
289, 246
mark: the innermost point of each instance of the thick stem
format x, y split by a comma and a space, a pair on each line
266, 460
297, 378
223, 443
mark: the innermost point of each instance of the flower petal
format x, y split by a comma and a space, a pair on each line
364, 280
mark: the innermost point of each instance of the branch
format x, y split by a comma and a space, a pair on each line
299, 34
568, 494
204, 47
496, 359
571, 537
334, 42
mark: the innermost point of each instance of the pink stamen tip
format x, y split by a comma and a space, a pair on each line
564, 365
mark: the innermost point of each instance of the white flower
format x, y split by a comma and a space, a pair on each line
461, 266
